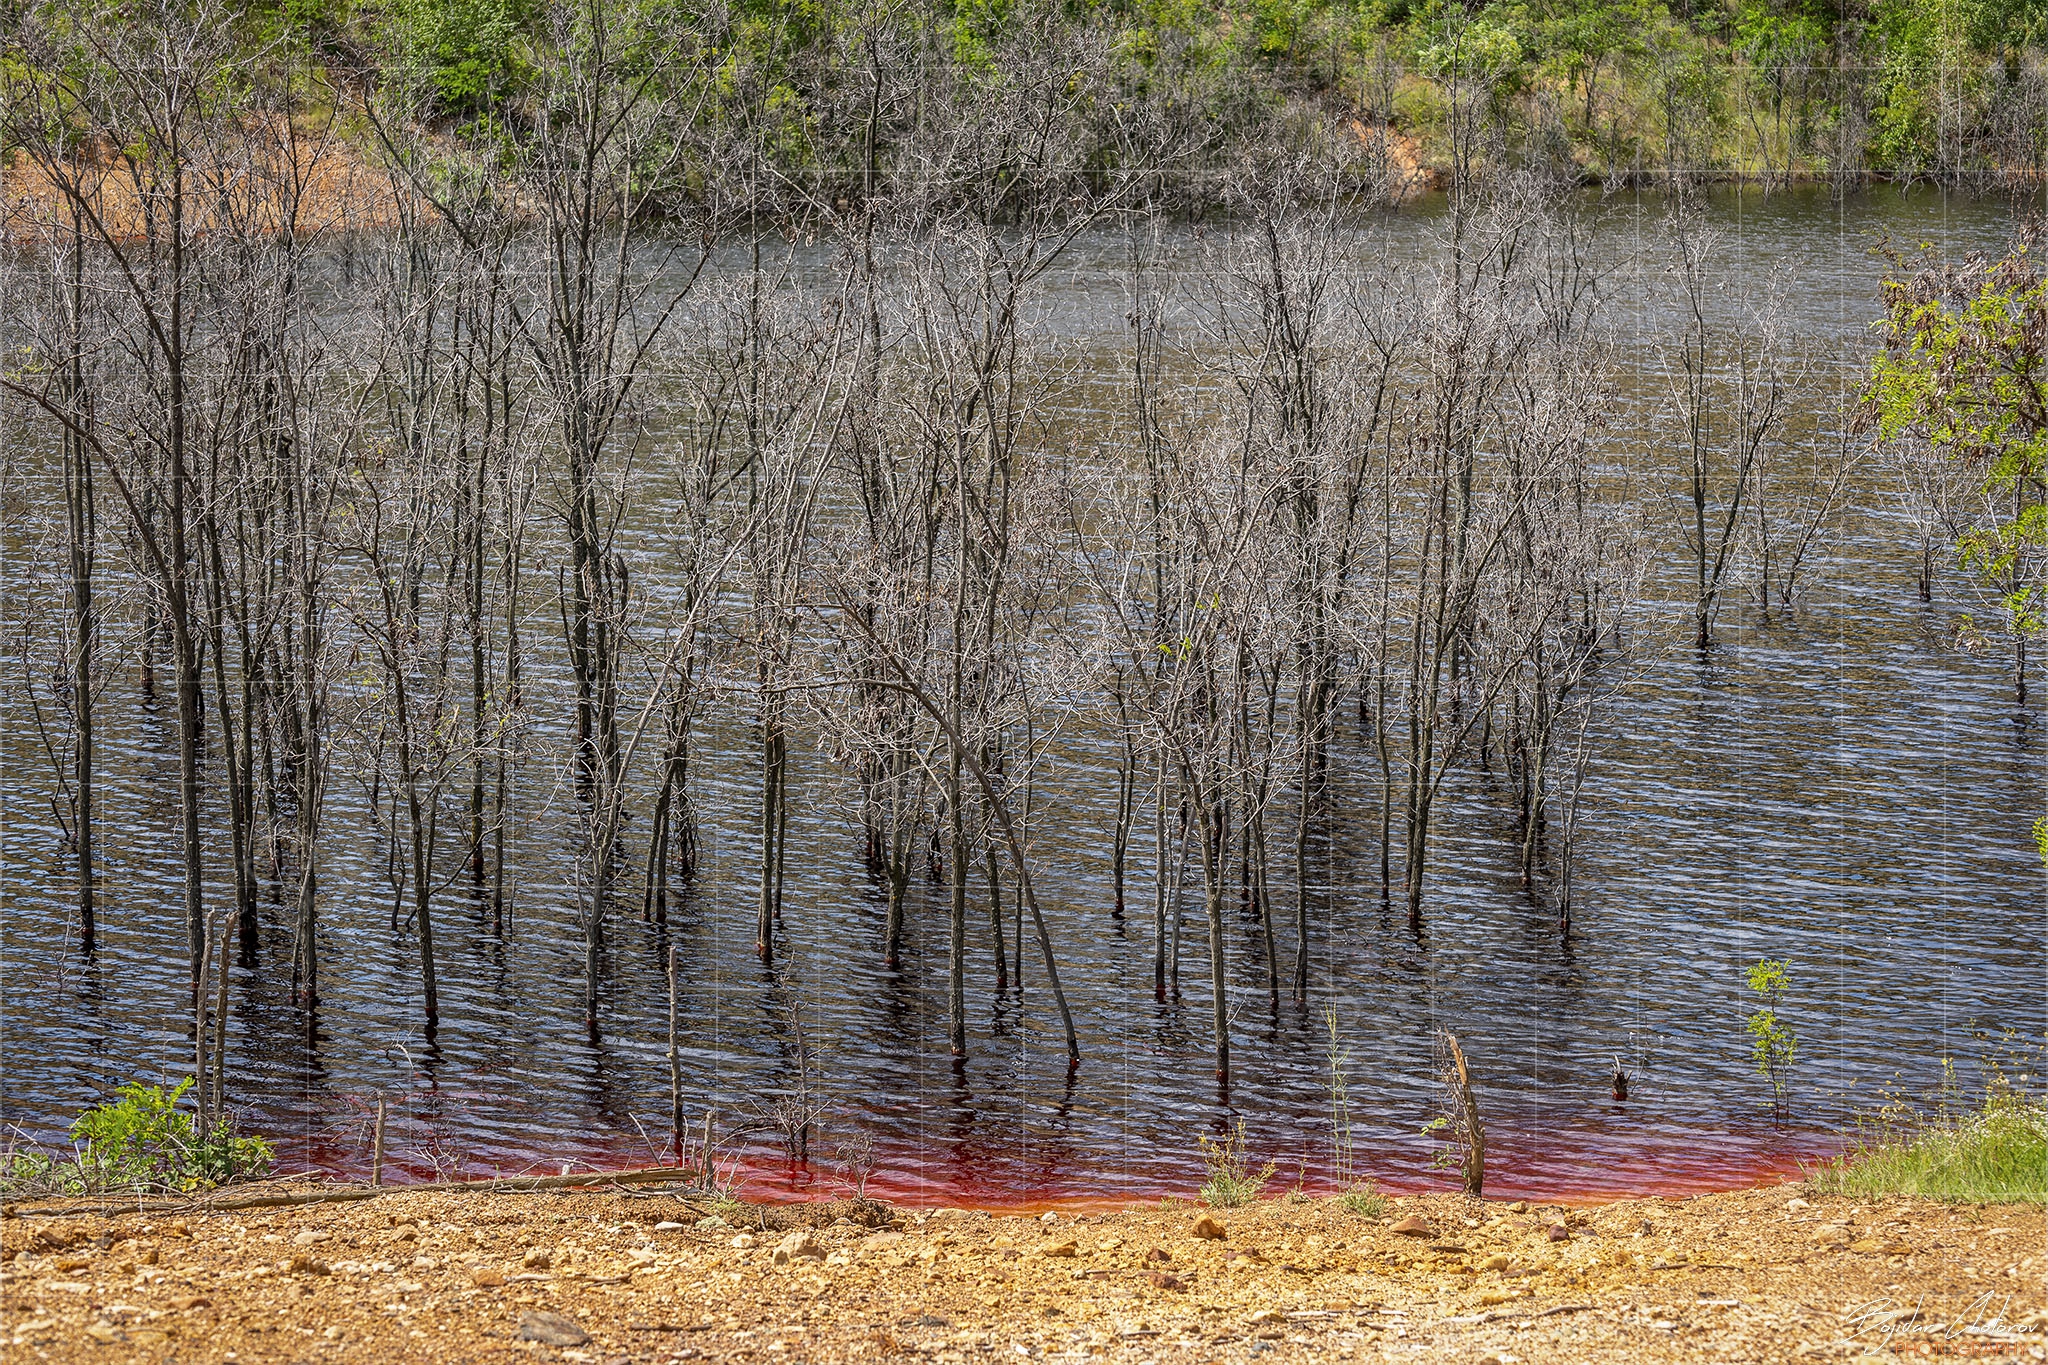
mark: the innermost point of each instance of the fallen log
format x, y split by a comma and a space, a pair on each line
346, 1193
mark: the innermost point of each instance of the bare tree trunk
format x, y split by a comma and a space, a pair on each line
1214, 834
82, 534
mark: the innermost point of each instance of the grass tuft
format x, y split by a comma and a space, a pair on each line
1365, 1200
1231, 1180
1996, 1153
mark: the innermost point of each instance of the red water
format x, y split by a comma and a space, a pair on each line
1670, 1167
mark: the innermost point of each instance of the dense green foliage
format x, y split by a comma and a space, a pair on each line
142, 1140
1607, 87
832, 99
1964, 369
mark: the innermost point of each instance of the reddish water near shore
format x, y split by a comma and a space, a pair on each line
1609, 1150
902, 1178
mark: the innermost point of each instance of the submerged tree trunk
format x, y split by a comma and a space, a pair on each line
82, 534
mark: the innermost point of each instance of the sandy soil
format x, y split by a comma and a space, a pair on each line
641, 1276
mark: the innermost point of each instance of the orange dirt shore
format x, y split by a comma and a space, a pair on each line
312, 184
639, 1275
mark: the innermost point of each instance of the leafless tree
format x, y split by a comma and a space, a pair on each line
1729, 392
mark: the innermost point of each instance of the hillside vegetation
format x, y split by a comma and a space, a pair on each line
780, 105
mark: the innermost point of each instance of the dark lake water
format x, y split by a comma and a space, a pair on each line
1840, 787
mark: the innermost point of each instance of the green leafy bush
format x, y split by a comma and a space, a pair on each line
464, 49
141, 1141
1772, 1043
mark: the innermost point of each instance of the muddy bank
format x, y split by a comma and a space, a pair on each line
643, 1276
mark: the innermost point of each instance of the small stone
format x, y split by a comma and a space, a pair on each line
880, 1240
303, 1264
798, 1246
668, 1227
1048, 1217
1493, 1298
1159, 1255
1266, 1315
489, 1277
1794, 1205
536, 1259
1208, 1229
742, 1242
309, 1237
1414, 1225
551, 1329
1497, 1261
1059, 1249
1161, 1280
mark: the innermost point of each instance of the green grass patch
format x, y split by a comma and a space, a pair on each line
1996, 1153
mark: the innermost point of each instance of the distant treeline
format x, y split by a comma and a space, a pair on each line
820, 103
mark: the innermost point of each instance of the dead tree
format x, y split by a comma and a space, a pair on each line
1730, 407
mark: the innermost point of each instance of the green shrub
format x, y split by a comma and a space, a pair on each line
1231, 1181
141, 1141
1772, 1043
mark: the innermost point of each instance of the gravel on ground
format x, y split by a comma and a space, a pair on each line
646, 1278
